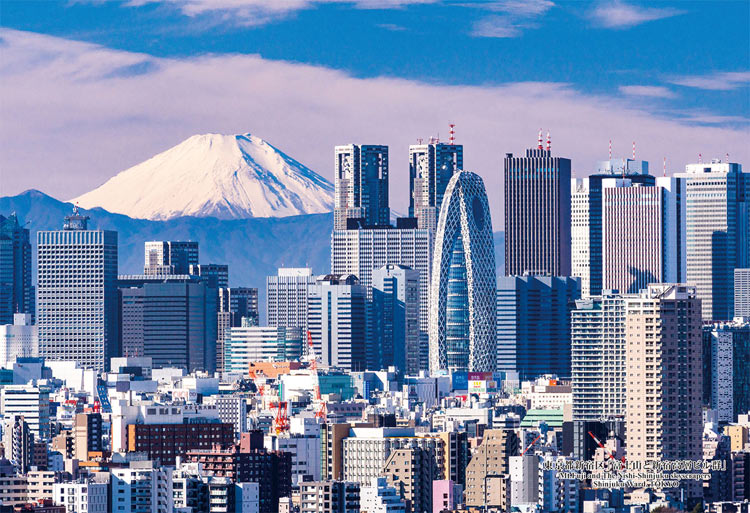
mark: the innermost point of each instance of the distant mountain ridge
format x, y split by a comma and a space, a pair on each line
253, 248
214, 175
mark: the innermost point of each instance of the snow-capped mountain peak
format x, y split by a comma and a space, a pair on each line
214, 175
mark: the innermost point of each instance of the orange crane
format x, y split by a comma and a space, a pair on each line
531, 444
281, 421
604, 447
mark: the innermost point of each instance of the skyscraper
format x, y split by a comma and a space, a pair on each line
77, 293
431, 166
462, 301
643, 233
537, 213
718, 235
236, 305
286, 298
361, 252
586, 218
726, 368
395, 291
247, 344
169, 256
216, 274
361, 185
16, 292
742, 292
664, 375
533, 324
597, 335
336, 321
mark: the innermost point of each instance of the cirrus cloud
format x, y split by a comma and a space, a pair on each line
617, 14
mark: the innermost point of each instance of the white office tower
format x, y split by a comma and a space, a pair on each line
378, 497
361, 252
597, 337
718, 234
361, 183
30, 402
143, 487
286, 298
643, 233
336, 321
462, 318
169, 256
721, 344
247, 344
83, 497
18, 340
77, 294
431, 166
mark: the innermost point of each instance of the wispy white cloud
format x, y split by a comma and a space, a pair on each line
617, 14
74, 114
517, 16
722, 81
647, 91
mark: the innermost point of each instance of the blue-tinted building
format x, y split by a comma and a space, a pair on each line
533, 324
16, 292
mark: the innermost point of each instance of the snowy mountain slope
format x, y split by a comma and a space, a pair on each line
213, 175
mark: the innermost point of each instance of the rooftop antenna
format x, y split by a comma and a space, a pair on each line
549, 141
610, 149
700, 158
665, 167
452, 138
633, 150
727, 157
540, 139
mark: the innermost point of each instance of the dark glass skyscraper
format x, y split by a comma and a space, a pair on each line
431, 167
456, 311
537, 213
16, 292
361, 180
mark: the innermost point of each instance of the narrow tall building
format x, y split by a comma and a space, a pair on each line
718, 234
742, 292
77, 293
664, 372
235, 306
286, 298
431, 167
586, 218
169, 256
643, 233
361, 185
537, 213
395, 294
16, 292
462, 291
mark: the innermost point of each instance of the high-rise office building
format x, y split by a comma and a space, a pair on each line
361, 252
533, 324
718, 234
235, 306
664, 375
586, 218
169, 256
247, 344
30, 402
726, 368
643, 233
336, 321
217, 275
537, 213
77, 293
171, 319
431, 166
18, 340
395, 294
462, 291
361, 183
16, 292
597, 346
742, 292
286, 298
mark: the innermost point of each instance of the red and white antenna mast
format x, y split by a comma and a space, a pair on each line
664, 171
633, 150
540, 140
452, 132
727, 158
700, 158
549, 141
610, 149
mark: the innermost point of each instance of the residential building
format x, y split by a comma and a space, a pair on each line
16, 291
77, 293
411, 472
487, 472
431, 167
337, 321
586, 218
533, 324
18, 443
537, 213
260, 343
395, 291
164, 442
524, 479
329, 497
462, 310
88, 497
169, 256
142, 487
87, 435
378, 497
718, 212
18, 340
361, 185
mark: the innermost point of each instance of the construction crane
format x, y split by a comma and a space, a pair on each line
322, 412
606, 450
531, 444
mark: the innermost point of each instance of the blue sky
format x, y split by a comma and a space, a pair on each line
684, 65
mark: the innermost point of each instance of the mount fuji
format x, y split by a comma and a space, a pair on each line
214, 175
